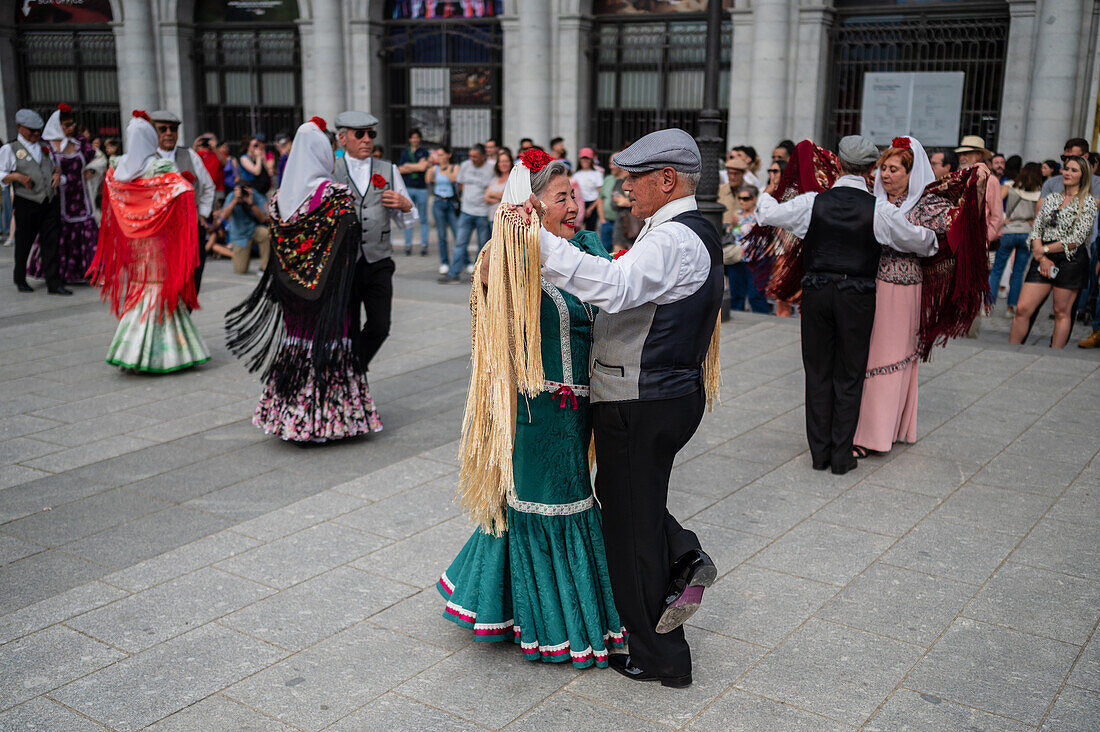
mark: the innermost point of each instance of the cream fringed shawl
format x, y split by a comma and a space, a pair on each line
507, 357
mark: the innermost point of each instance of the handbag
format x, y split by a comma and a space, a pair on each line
733, 251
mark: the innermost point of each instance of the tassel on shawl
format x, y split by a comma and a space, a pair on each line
506, 358
712, 369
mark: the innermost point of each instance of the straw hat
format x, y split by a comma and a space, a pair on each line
974, 143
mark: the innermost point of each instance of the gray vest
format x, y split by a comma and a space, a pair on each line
374, 218
183, 161
40, 173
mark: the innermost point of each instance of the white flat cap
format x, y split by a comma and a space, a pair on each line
355, 120
163, 115
30, 119
671, 148
857, 150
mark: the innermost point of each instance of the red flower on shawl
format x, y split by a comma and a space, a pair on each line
901, 143
305, 246
65, 108
534, 160
620, 253
321, 124
378, 181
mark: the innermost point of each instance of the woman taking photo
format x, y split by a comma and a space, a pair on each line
441, 178
495, 190
1020, 195
255, 172
1061, 227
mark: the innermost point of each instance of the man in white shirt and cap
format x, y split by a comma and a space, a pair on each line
26, 165
658, 309
843, 231
167, 125
381, 202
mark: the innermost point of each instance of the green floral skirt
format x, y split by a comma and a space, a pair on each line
144, 342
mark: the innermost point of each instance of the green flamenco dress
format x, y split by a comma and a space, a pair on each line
544, 582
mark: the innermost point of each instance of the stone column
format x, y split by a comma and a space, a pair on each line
135, 49
527, 70
771, 49
1053, 78
9, 82
178, 84
325, 86
1017, 86
809, 105
740, 74
573, 94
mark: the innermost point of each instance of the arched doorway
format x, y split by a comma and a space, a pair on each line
248, 63
66, 53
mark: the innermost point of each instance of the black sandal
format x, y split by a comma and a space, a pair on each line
860, 452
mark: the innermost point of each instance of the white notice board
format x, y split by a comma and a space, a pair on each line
924, 104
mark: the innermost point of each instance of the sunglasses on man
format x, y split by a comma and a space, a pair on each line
744, 198
167, 128
358, 134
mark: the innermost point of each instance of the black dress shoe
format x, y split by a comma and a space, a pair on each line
821, 465
844, 468
691, 574
24, 287
621, 663
60, 290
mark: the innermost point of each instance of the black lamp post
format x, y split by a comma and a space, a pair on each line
709, 136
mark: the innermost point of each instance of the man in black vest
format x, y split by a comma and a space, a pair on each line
26, 165
658, 307
843, 232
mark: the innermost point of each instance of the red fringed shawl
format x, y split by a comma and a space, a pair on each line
147, 237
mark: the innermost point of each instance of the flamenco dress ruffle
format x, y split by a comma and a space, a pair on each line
156, 345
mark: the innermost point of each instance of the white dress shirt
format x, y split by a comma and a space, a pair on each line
204, 185
360, 172
667, 263
892, 229
7, 155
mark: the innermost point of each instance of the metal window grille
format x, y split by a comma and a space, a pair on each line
972, 38
72, 66
249, 79
649, 75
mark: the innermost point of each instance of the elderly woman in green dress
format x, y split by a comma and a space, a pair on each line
536, 573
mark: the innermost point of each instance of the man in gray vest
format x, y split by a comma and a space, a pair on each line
167, 125
658, 308
381, 202
26, 165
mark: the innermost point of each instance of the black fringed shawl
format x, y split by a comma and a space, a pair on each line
294, 325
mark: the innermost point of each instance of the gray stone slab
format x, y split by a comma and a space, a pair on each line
17, 425
180, 561
165, 611
12, 549
762, 509
24, 449
189, 424
995, 509
1086, 671
420, 559
399, 714
245, 463
395, 517
320, 685
395, 478
147, 687
955, 551
317, 608
760, 606
875, 508
1080, 504
714, 475
87, 454
85, 517
1040, 602
899, 603
1076, 709
421, 617
57, 609
1024, 473
43, 715
744, 712
569, 711
137, 464
959, 445
716, 661
218, 713
798, 475
81, 409
684, 505
727, 547
98, 428
42, 575
47, 659
1062, 547
48, 491
258, 495
13, 475
823, 552
911, 711
298, 557
995, 669
839, 672
299, 515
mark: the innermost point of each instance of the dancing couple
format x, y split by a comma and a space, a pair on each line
568, 345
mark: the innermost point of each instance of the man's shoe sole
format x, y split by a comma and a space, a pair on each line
684, 606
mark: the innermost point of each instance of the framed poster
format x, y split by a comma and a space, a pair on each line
470, 126
926, 105
429, 87
472, 85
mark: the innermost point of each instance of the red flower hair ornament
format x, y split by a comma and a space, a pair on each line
141, 114
534, 160
65, 108
901, 143
321, 124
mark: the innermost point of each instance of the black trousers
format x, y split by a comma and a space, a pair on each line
836, 335
203, 233
636, 443
373, 295
41, 220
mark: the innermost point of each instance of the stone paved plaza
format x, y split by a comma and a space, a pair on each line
164, 563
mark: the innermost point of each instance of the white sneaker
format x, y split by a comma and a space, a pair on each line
444, 268
469, 269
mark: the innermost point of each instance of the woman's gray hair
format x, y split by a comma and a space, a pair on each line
541, 180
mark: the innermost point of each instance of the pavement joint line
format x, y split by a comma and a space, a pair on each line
928, 574
449, 713
875, 633
219, 621
968, 706
735, 687
231, 700
983, 621
418, 588
65, 624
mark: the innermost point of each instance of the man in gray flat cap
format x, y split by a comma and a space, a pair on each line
658, 307
382, 202
26, 165
167, 125
843, 231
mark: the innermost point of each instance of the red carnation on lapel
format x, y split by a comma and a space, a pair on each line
189, 177
141, 114
534, 160
378, 181
321, 124
901, 143
64, 108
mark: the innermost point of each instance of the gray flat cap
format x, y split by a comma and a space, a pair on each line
355, 120
30, 119
671, 148
857, 150
163, 115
